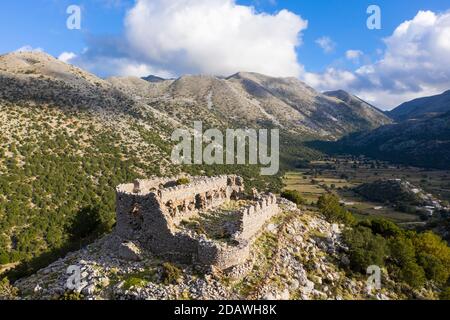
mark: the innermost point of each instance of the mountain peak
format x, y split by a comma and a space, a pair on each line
35, 64
337, 93
256, 75
422, 108
153, 78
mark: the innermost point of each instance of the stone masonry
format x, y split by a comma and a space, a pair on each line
150, 212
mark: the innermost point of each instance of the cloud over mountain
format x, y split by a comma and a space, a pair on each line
174, 37
415, 63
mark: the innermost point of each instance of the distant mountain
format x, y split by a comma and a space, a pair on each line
152, 78
251, 99
422, 108
360, 106
422, 143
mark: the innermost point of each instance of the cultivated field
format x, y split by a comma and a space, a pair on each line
342, 175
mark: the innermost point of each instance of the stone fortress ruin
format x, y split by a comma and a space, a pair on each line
207, 221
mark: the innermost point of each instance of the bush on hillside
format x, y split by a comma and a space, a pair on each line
294, 196
330, 207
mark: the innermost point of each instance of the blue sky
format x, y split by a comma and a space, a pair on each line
42, 24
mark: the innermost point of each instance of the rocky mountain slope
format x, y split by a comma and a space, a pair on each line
361, 107
250, 99
298, 256
422, 108
243, 99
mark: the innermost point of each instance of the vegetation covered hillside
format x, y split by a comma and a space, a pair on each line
67, 139
422, 108
423, 143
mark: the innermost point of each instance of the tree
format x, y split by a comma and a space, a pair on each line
330, 207
385, 228
294, 196
413, 275
365, 248
403, 261
434, 268
434, 255
445, 294
402, 251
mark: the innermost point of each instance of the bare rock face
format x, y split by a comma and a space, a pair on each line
129, 251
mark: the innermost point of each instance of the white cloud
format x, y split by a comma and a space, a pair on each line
200, 36
415, 63
214, 36
354, 55
67, 57
120, 66
331, 79
29, 48
326, 44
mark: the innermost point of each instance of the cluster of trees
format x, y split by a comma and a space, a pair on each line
410, 257
57, 195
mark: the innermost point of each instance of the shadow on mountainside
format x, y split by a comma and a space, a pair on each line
85, 228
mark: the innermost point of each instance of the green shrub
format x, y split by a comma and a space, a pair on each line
384, 227
134, 282
7, 291
365, 248
4, 258
171, 273
445, 294
71, 295
330, 207
294, 196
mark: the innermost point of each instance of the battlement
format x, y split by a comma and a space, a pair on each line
155, 213
253, 217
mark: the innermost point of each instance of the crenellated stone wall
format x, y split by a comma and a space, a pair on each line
253, 217
150, 212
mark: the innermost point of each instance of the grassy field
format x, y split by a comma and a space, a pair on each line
311, 187
342, 175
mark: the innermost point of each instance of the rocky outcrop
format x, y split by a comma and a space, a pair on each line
298, 256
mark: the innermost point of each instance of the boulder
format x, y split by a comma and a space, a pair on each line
130, 251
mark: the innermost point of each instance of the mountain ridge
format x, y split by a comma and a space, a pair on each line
423, 107
421, 143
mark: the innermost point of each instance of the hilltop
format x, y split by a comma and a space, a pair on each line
422, 108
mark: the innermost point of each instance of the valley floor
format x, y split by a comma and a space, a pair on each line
342, 175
